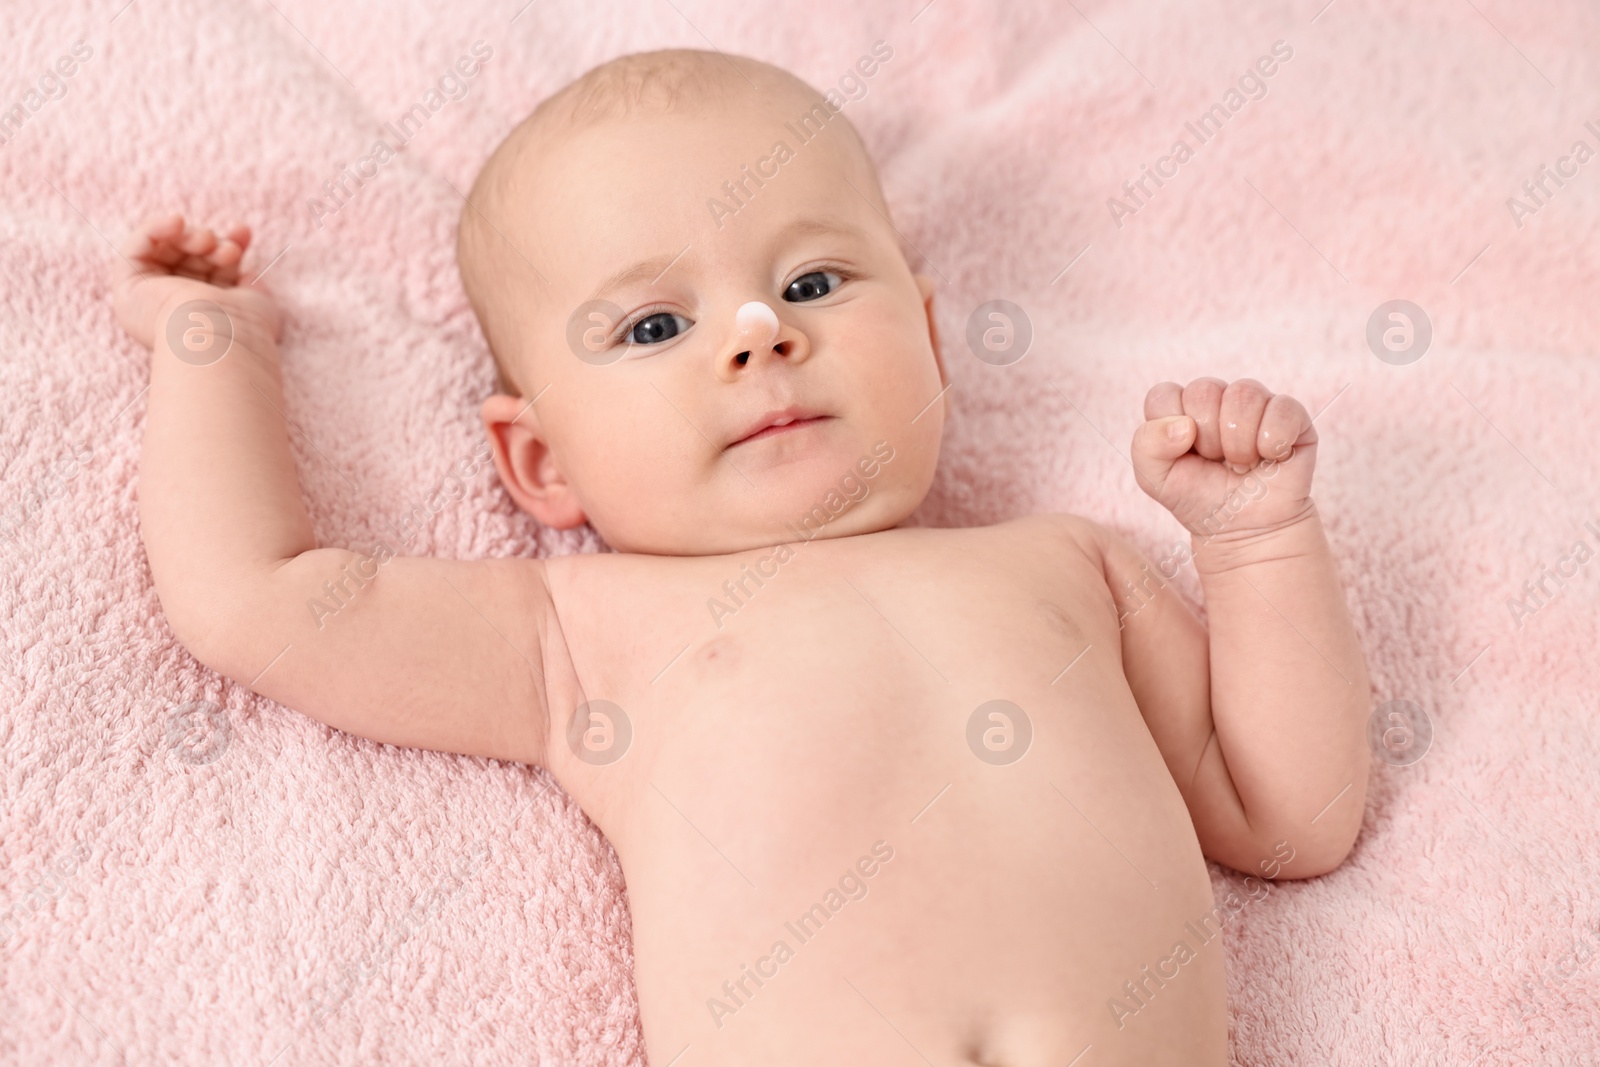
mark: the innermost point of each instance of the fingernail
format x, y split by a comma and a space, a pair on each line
1176, 429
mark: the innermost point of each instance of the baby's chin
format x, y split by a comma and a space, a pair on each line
853, 505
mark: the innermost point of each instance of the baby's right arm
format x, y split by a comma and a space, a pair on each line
423, 653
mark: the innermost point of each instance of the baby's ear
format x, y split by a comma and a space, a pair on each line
527, 470
925, 287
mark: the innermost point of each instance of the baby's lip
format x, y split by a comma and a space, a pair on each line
782, 420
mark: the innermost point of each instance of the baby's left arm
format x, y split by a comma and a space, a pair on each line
1263, 719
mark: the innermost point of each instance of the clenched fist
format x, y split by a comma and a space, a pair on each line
165, 260
1225, 459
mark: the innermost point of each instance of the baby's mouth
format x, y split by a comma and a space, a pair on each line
778, 423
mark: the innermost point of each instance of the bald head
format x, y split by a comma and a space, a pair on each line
498, 238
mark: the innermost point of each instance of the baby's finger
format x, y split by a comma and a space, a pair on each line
1242, 405
226, 254
162, 228
1163, 400
1157, 445
238, 233
197, 242
1285, 426
1202, 402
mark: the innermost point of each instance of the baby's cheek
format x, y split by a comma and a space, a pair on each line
610, 461
878, 338
901, 378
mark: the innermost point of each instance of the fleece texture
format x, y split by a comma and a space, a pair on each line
190, 874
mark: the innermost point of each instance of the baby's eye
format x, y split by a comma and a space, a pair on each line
653, 329
810, 286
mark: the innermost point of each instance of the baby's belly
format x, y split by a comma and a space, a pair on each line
827, 862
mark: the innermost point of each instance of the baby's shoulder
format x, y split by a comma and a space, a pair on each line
1054, 531
1048, 544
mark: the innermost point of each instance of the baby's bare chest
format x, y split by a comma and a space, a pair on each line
959, 707
885, 661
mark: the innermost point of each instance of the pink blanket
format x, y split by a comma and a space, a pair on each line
189, 874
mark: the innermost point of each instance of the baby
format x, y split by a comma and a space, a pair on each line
883, 794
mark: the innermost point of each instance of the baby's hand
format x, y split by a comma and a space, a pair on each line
1226, 459
164, 262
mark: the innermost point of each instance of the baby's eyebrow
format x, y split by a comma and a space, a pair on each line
652, 268
644, 270
817, 227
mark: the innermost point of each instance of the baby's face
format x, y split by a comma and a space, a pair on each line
652, 400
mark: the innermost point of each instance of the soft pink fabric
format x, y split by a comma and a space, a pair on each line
200, 912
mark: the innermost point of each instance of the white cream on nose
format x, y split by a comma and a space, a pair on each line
756, 322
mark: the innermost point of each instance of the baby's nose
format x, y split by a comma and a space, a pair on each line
757, 324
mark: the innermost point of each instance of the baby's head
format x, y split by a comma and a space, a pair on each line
674, 251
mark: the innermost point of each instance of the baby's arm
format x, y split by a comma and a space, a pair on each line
416, 652
1262, 720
